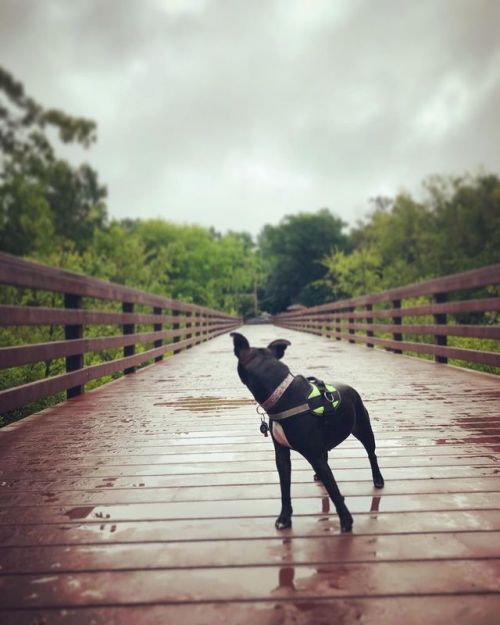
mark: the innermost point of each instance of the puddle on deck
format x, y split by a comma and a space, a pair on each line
205, 404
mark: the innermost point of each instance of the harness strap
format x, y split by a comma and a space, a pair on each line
277, 393
323, 399
289, 413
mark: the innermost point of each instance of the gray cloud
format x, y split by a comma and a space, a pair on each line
235, 113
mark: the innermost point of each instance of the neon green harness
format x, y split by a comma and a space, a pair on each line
322, 400
317, 393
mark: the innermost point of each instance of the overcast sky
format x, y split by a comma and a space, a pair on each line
234, 113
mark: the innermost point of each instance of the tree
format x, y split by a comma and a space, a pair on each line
292, 253
467, 221
41, 195
353, 274
454, 228
24, 122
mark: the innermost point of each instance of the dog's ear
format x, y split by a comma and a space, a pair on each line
240, 343
278, 347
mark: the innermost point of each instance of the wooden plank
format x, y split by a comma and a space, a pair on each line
372, 579
121, 468
472, 331
40, 315
177, 455
465, 610
105, 532
216, 509
118, 496
258, 552
48, 486
24, 354
465, 306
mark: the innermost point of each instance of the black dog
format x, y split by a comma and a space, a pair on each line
295, 425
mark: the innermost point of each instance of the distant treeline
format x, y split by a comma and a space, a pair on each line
56, 213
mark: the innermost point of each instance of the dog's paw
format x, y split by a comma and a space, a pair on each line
346, 522
283, 524
345, 518
378, 481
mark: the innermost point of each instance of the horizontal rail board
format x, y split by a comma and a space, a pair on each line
18, 272
467, 355
465, 306
473, 279
38, 315
25, 354
480, 332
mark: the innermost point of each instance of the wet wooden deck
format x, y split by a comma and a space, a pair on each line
152, 501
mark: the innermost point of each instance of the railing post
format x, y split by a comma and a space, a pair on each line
337, 328
351, 320
369, 321
397, 336
157, 327
75, 361
196, 317
189, 327
176, 326
128, 328
202, 326
328, 327
440, 319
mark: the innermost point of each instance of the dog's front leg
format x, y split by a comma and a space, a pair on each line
284, 466
322, 469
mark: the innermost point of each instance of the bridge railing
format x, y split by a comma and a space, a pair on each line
428, 311
186, 325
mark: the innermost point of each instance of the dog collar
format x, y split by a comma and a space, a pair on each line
278, 392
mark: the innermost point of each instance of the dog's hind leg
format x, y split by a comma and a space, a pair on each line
316, 477
364, 433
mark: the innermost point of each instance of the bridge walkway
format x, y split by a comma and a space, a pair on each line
152, 500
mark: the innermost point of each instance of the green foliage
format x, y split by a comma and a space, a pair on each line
293, 251
24, 122
44, 201
56, 213
353, 274
455, 228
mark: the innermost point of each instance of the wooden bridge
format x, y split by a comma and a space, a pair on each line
152, 499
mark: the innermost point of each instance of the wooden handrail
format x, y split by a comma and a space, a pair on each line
341, 319
19, 272
187, 325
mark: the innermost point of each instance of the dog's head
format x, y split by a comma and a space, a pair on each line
260, 368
